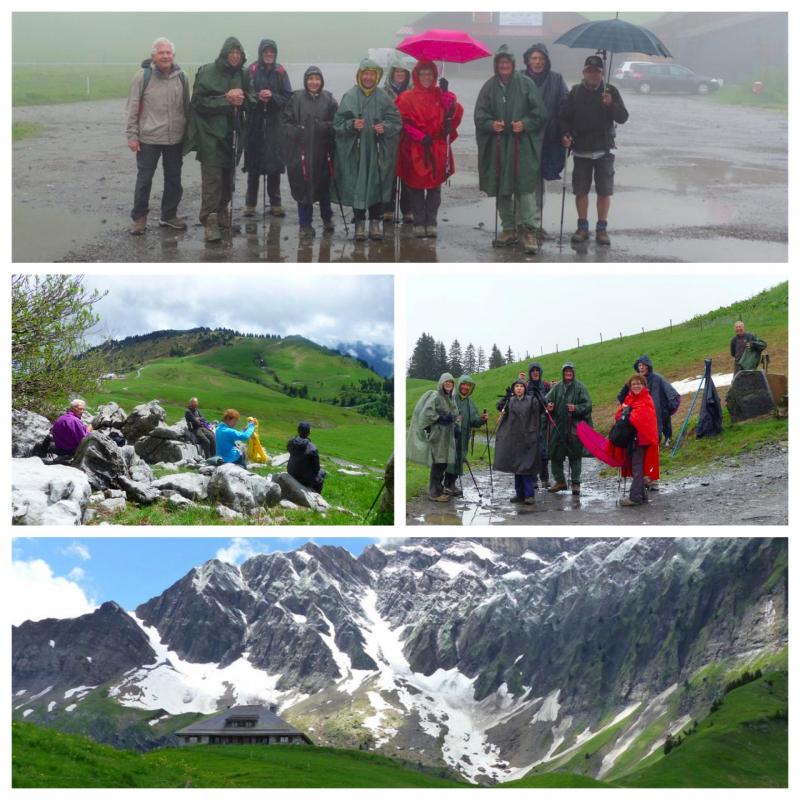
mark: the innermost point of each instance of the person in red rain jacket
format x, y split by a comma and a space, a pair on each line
642, 460
430, 113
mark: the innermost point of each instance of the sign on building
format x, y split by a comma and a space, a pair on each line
521, 19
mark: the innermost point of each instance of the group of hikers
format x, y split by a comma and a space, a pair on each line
380, 148
220, 444
536, 431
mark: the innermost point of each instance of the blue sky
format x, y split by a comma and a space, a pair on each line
65, 577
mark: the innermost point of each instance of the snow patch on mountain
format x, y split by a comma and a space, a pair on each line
464, 547
78, 692
180, 686
451, 568
548, 712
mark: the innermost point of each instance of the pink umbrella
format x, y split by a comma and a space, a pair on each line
596, 444
441, 45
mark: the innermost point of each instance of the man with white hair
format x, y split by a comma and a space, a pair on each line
157, 113
200, 428
69, 430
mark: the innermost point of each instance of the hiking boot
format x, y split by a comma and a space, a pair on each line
558, 486
576, 489
408, 219
545, 484
517, 499
529, 501
361, 231
529, 243
628, 503
176, 223
442, 498
651, 486
388, 216
139, 226
213, 233
419, 231
376, 230
249, 211
457, 493
505, 239
307, 232
601, 236
580, 236
328, 226
277, 210
430, 231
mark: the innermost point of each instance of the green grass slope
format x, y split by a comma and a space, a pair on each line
677, 353
556, 780
46, 758
743, 744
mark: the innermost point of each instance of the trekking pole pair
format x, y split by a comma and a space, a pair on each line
563, 196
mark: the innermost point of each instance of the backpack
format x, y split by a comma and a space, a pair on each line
148, 73
622, 434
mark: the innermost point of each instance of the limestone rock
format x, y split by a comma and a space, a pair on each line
749, 395
227, 513
190, 486
280, 460
112, 505
154, 449
242, 491
387, 498
101, 460
177, 502
293, 490
44, 494
28, 433
138, 468
141, 493
109, 415
142, 420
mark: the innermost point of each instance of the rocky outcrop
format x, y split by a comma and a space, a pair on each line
187, 484
749, 395
28, 433
241, 490
137, 492
292, 489
101, 460
109, 415
167, 444
44, 494
138, 469
142, 420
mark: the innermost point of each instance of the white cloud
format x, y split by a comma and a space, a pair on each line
39, 594
77, 549
238, 551
76, 574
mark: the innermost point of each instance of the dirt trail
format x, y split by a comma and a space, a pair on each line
696, 181
750, 489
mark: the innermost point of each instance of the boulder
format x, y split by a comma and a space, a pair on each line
749, 395
44, 494
177, 502
293, 490
227, 513
109, 415
136, 492
154, 449
279, 460
28, 433
112, 505
242, 491
143, 419
189, 485
114, 492
101, 460
138, 468
387, 499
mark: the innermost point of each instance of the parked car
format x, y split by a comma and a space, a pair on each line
646, 77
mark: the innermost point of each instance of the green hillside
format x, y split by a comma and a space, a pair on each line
556, 780
46, 758
677, 353
742, 744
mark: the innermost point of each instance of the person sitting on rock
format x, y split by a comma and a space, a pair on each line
303, 463
69, 430
227, 436
200, 428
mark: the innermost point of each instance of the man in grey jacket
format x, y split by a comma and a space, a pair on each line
157, 111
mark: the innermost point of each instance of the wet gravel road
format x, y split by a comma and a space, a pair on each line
751, 489
696, 181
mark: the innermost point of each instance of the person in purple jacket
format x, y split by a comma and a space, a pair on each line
69, 430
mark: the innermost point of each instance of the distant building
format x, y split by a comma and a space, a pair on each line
243, 725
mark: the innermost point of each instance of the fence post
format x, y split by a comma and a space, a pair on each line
88, 86
579, 341
601, 338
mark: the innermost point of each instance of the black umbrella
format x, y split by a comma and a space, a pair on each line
614, 36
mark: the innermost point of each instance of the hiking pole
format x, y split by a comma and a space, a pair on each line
264, 187
473, 479
691, 408
496, 183
489, 450
516, 186
234, 149
336, 189
380, 492
563, 197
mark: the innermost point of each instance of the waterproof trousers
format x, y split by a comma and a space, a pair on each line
436, 480
557, 467
425, 205
638, 493
375, 212
216, 190
524, 486
305, 211
526, 211
147, 158
273, 188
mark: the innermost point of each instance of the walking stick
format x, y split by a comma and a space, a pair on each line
489, 450
691, 407
563, 197
336, 189
516, 171
473, 479
380, 492
496, 183
234, 160
264, 185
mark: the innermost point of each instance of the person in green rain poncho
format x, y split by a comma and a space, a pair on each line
367, 127
468, 420
433, 432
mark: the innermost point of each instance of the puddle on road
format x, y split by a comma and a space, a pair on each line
47, 234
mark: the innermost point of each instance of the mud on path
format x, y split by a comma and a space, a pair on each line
750, 489
695, 181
